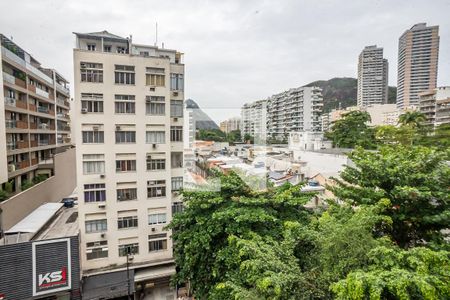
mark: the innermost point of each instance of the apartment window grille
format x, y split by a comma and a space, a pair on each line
121, 50
157, 219
176, 82
93, 226
92, 103
155, 137
177, 183
127, 222
126, 194
93, 164
127, 249
155, 105
156, 164
125, 165
176, 159
91, 47
177, 207
124, 104
176, 108
125, 137
93, 137
107, 48
176, 133
157, 242
156, 188
155, 77
91, 72
98, 249
124, 74
95, 192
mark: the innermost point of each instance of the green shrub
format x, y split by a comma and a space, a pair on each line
39, 178
8, 187
26, 185
3, 195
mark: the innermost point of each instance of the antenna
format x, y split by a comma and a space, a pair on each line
156, 39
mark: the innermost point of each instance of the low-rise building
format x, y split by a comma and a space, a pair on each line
230, 124
435, 105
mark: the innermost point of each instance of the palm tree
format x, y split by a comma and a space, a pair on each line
412, 118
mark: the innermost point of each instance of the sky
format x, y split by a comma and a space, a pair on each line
235, 51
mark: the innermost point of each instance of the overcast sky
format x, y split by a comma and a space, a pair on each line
235, 51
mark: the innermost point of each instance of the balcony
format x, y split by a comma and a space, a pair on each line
43, 109
62, 102
13, 57
45, 126
9, 78
63, 116
10, 101
42, 93
64, 128
16, 124
14, 166
62, 89
39, 73
10, 146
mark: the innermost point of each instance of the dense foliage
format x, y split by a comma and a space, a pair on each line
352, 130
215, 135
383, 240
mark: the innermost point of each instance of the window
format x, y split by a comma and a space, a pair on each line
91, 47
155, 137
92, 103
177, 207
124, 137
156, 188
144, 53
91, 72
125, 104
124, 74
125, 165
121, 50
128, 249
177, 183
93, 164
93, 137
95, 192
107, 48
96, 226
176, 82
155, 77
157, 219
176, 133
155, 164
176, 159
127, 222
176, 108
157, 242
155, 105
96, 250
127, 194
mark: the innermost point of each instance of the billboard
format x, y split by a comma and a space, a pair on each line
51, 266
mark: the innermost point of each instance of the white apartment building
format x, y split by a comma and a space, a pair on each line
295, 110
372, 77
435, 105
230, 124
254, 119
128, 128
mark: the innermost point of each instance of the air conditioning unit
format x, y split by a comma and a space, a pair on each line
153, 229
117, 127
175, 119
102, 175
84, 110
154, 146
175, 93
103, 235
152, 89
95, 128
101, 205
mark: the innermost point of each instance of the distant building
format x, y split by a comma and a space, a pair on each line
294, 110
230, 124
418, 52
308, 141
435, 105
372, 77
34, 109
253, 120
335, 114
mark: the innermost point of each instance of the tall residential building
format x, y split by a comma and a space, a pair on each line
418, 51
230, 124
254, 120
34, 109
129, 136
295, 110
435, 105
372, 77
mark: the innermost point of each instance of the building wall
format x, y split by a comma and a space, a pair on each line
3, 158
139, 150
53, 189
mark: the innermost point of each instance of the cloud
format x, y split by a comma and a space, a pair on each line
235, 51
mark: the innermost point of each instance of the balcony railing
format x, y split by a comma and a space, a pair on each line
10, 55
62, 89
10, 101
43, 109
64, 128
9, 78
44, 126
42, 93
10, 123
39, 73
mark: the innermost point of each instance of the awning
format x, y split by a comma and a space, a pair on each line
152, 273
107, 286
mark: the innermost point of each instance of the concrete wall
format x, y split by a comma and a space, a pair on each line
324, 163
52, 190
3, 157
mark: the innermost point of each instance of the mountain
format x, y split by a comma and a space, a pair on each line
200, 118
343, 90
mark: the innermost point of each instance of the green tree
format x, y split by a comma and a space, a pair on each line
249, 138
215, 135
234, 136
352, 130
391, 135
208, 234
414, 179
414, 119
393, 273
